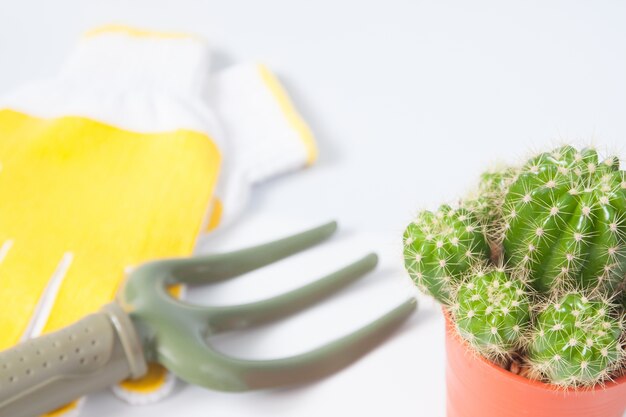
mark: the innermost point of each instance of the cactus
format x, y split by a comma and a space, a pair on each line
486, 202
576, 342
487, 199
492, 313
439, 248
564, 221
558, 224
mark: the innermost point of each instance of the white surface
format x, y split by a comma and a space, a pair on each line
410, 100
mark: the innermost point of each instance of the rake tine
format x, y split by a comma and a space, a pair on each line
218, 267
199, 364
240, 316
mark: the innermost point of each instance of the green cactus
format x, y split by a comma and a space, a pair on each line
487, 199
492, 313
564, 221
558, 224
440, 247
576, 342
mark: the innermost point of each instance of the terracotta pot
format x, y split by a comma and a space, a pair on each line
478, 388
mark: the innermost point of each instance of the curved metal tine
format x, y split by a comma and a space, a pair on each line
202, 365
240, 316
218, 267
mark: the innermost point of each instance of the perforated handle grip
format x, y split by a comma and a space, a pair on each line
47, 372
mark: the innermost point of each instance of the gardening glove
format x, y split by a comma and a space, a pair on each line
120, 159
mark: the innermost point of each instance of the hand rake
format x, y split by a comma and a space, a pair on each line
147, 324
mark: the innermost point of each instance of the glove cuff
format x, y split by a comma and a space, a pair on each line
139, 59
266, 132
266, 136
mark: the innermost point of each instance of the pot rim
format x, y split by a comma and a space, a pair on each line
520, 379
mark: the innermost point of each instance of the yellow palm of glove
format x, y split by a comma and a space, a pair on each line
80, 201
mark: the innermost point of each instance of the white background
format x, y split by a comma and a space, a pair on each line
410, 101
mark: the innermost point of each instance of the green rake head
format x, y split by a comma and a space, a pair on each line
174, 332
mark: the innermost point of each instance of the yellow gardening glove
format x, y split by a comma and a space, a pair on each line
116, 161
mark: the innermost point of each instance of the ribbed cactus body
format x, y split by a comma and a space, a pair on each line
440, 247
564, 221
575, 341
492, 312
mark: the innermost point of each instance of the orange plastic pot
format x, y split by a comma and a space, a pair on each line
478, 388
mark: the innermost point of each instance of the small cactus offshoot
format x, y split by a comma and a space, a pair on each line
558, 225
487, 200
492, 313
439, 248
576, 341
